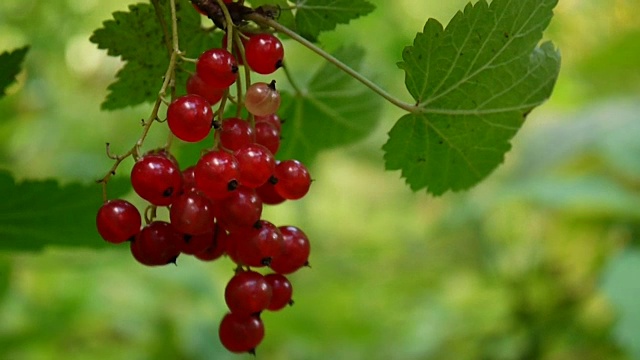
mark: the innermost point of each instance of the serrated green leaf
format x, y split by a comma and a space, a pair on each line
332, 106
474, 83
37, 214
10, 65
316, 16
138, 37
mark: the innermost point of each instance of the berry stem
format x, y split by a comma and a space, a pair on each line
265, 21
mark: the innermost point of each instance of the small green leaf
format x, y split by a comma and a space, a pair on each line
474, 83
37, 214
10, 64
333, 107
316, 16
138, 37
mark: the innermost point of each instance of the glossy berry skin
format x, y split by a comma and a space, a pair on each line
192, 213
293, 178
240, 210
262, 99
259, 245
295, 251
216, 174
281, 291
268, 195
256, 164
197, 86
156, 179
157, 244
268, 136
235, 133
264, 53
218, 68
241, 333
217, 245
190, 117
273, 119
118, 221
247, 293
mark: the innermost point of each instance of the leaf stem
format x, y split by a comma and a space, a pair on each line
265, 21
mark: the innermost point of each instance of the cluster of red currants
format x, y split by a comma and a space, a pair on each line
215, 206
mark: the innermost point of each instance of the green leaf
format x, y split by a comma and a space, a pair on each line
316, 16
10, 63
37, 214
138, 37
332, 106
474, 83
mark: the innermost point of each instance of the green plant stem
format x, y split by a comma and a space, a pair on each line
262, 20
290, 78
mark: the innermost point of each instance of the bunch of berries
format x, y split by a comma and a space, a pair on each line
215, 205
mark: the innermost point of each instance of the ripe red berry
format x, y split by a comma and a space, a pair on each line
118, 221
189, 118
241, 333
295, 251
192, 213
240, 210
262, 99
218, 68
256, 164
157, 244
197, 86
268, 194
216, 174
247, 293
293, 179
235, 133
217, 245
257, 246
156, 179
281, 291
264, 53
268, 136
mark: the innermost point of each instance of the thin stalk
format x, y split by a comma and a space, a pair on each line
262, 20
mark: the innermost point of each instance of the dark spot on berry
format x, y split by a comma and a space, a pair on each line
187, 238
273, 180
232, 185
266, 261
168, 192
234, 69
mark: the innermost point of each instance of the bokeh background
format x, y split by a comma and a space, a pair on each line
540, 261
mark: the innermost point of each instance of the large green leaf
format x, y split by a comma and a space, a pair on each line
474, 83
286, 17
331, 110
10, 64
137, 36
37, 214
316, 16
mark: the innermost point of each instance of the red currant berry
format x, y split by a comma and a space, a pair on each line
257, 246
293, 179
216, 174
264, 53
189, 118
118, 221
262, 99
156, 179
281, 291
268, 194
192, 213
189, 178
272, 119
241, 333
157, 244
294, 252
247, 293
268, 136
218, 68
256, 164
197, 86
217, 245
235, 133
240, 210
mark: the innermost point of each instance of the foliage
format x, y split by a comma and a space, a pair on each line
10, 64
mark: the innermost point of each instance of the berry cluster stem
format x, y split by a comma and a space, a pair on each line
168, 83
265, 21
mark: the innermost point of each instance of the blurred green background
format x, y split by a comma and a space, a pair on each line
540, 261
